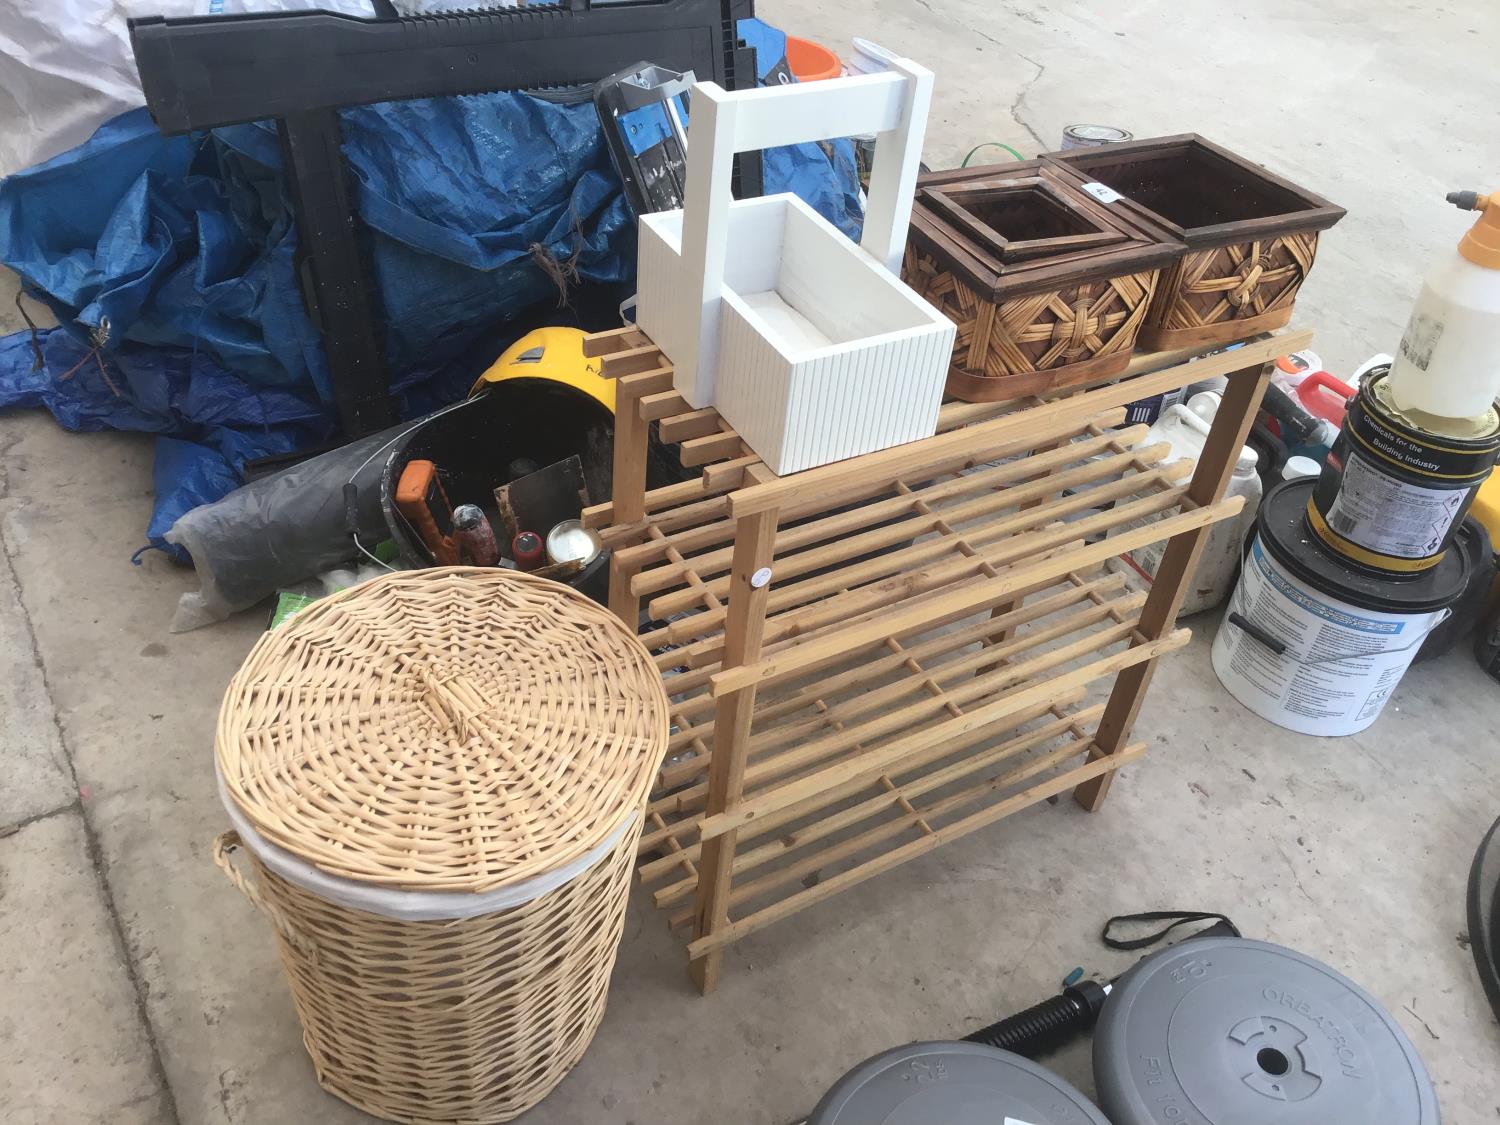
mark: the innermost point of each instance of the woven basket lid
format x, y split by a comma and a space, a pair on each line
451, 729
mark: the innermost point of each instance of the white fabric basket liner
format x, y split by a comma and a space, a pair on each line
402, 905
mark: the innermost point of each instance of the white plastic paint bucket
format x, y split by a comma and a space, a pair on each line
1313, 644
869, 58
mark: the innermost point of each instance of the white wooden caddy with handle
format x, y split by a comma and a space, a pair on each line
810, 347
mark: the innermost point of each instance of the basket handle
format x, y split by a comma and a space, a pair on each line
226, 844
893, 105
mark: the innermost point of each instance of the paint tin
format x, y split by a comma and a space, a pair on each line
1473, 540
1091, 136
1313, 643
570, 540
1396, 486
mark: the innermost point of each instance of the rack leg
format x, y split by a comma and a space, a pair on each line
622, 603
1179, 562
632, 437
755, 538
1005, 608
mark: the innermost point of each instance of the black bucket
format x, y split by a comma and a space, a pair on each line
473, 443
1392, 497
1474, 541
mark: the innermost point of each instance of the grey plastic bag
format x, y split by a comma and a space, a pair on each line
282, 529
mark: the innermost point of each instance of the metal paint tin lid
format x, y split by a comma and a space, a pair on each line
570, 540
1282, 523
952, 1084
1087, 136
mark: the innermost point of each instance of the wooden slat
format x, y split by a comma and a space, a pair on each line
597, 344
797, 793
729, 474
680, 505
721, 530
662, 404
802, 659
683, 801
935, 646
856, 608
923, 782
877, 511
842, 550
899, 461
892, 577
743, 927
632, 361
879, 834
852, 608
878, 501
700, 451
807, 751
694, 423
644, 384
968, 688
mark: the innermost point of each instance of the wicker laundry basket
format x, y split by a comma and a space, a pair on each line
439, 776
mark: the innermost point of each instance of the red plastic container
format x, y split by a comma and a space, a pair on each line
1325, 396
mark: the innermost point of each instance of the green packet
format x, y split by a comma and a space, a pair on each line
287, 604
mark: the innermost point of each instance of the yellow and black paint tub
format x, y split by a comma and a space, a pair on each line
1396, 486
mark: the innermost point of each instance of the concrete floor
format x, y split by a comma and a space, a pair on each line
139, 987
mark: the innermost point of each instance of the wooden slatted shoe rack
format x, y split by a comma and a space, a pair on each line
869, 659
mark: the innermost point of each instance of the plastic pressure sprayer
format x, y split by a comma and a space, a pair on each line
1449, 360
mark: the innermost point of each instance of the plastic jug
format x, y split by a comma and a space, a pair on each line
1186, 429
1325, 396
1183, 427
1449, 360
1205, 404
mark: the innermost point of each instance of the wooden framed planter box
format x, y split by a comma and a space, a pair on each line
1048, 286
1251, 236
810, 346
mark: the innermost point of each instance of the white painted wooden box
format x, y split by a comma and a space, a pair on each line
811, 347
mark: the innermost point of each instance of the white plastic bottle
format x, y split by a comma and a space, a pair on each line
1449, 360
1292, 369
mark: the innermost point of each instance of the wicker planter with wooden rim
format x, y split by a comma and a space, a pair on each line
1251, 236
1048, 286
440, 776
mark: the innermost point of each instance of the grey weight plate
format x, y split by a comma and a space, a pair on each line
952, 1084
1225, 1031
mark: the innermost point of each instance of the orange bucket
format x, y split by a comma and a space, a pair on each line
811, 62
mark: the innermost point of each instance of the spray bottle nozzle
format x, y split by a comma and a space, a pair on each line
1467, 200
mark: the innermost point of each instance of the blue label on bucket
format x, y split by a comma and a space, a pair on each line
1318, 608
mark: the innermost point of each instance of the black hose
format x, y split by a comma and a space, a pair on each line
1045, 1027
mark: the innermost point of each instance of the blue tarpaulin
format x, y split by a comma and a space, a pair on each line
169, 263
